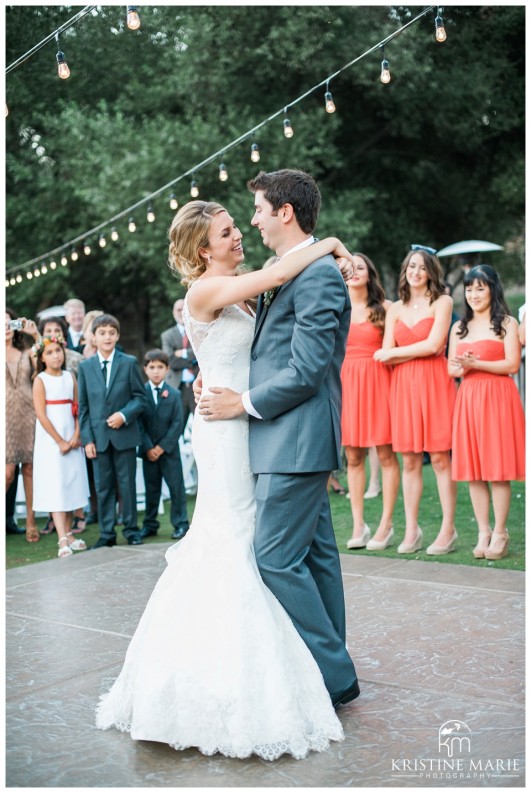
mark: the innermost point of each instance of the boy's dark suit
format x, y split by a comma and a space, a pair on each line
161, 425
115, 463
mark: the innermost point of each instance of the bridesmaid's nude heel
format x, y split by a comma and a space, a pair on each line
483, 544
498, 548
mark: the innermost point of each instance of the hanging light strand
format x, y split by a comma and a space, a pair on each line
218, 154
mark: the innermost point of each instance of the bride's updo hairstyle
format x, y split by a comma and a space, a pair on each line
189, 232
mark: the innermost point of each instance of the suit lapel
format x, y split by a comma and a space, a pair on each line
261, 313
95, 362
116, 362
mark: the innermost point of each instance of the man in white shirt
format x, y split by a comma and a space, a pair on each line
74, 315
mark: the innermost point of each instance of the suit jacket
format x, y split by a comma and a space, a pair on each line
126, 393
161, 424
172, 340
295, 383
70, 343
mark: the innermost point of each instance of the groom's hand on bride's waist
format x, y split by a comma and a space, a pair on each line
220, 403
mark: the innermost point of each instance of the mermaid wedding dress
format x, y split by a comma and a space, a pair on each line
215, 662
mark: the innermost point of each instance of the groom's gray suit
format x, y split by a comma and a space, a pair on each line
295, 386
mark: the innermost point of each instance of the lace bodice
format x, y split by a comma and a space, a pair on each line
222, 347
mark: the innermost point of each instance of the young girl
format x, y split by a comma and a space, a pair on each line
488, 430
422, 394
365, 420
60, 480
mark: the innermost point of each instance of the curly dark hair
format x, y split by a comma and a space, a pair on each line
375, 293
435, 277
499, 310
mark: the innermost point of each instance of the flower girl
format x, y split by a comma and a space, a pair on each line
59, 470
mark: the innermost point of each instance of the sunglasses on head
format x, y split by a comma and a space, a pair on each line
431, 251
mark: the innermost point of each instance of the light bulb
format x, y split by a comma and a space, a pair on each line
329, 103
255, 153
150, 217
19, 279
64, 261
132, 225
74, 255
173, 202
7, 284
62, 67
12, 281
440, 32
29, 275
133, 20
86, 249
114, 234
223, 173
288, 129
102, 242
194, 189
44, 269
385, 76
36, 272
53, 264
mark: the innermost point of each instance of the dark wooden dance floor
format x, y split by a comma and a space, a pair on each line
439, 651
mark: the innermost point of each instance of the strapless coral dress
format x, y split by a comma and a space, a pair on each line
489, 426
365, 418
422, 396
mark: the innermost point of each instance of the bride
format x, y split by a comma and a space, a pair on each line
216, 662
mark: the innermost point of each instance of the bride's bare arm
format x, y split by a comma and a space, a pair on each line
214, 292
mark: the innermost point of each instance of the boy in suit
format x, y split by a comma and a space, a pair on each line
161, 424
111, 398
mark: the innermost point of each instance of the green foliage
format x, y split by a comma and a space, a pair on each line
434, 157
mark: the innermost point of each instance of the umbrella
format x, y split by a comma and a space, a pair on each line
469, 246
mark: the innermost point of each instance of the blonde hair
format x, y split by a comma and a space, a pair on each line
90, 316
189, 232
74, 302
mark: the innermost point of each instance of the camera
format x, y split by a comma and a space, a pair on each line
15, 324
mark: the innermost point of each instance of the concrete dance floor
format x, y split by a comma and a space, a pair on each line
439, 651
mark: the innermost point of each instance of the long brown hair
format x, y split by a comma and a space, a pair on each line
375, 293
435, 277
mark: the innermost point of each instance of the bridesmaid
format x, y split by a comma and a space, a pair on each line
422, 393
489, 425
365, 420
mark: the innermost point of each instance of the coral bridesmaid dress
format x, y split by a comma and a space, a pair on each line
489, 426
365, 419
422, 396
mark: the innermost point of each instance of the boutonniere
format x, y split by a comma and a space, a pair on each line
269, 296
165, 393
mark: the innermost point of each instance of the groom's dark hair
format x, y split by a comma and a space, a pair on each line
291, 187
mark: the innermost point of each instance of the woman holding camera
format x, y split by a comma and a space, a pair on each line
20, 413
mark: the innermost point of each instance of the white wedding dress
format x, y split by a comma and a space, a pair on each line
215, 662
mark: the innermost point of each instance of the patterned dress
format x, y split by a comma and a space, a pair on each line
20, 413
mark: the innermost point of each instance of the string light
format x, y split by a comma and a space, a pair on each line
133, 20
132, 225
102, 242
11, 282
64, 261
53, 264
86, 248
36, 272
173, 202
385, 76
329, 101
114, 234
19, 279
74, 255
29, 275
440, 32
288, 129
44, 269
62, 67
223, 173
150, 215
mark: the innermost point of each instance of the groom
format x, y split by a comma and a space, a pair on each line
294, 404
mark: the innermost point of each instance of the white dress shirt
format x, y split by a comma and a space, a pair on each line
109, 366
75, 335
247, 404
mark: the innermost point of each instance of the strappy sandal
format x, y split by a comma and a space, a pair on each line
50, 526
64, 550
32, 534
75, 545
76, 528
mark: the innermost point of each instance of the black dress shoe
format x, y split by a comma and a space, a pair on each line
145, 532
102, 544
136, 540
13, 528
342, 697
178, 534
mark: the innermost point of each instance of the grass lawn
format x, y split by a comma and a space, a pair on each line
19, 552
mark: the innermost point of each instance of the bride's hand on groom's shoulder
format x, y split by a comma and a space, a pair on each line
345, 268
221, 403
